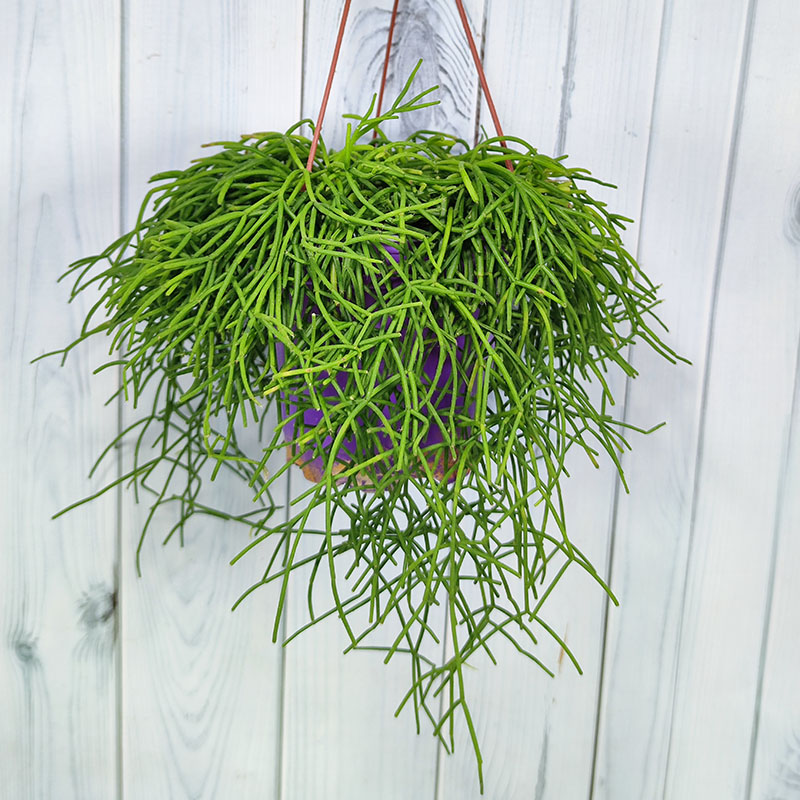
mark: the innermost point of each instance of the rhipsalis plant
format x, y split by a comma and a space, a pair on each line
421, 327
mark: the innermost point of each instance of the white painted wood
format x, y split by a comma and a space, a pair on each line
425, 30
683, 205
776, 733
527, 52
539, 733
59, 145
340, 736
697, 673
201, 686
776, 742
748, 402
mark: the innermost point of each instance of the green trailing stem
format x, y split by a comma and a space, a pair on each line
251, 289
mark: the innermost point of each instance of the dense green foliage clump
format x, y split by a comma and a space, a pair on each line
249, 283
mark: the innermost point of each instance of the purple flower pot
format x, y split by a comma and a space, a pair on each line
439, 458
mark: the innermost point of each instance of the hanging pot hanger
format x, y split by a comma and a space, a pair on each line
335, 58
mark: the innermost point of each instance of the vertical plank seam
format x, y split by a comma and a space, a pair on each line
747, 41
438, 782
280, 745
281, 750
568, 76
478, 94
768, 606
303, 53
666, 17
123, 186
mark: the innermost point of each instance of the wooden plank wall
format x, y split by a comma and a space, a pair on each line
200, 693
60, 145
114, 686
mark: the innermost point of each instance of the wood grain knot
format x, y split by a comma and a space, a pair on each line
792, 225
97, 607
25, 649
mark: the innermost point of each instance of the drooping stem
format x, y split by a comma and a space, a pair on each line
199, 297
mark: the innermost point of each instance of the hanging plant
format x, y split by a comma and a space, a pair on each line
420, 321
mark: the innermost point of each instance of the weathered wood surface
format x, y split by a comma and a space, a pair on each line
59, 146
689, 158
690, 688
201, 686
745, 425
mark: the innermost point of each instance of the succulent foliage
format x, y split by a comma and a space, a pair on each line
251, 289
